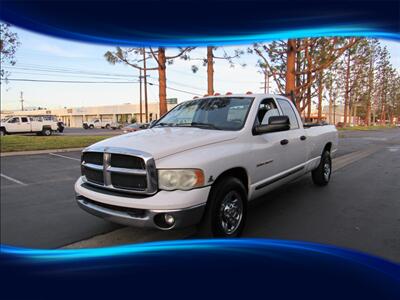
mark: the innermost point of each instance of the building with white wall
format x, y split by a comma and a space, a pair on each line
75, 116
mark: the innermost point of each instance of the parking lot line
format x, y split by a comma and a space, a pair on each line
12, 179
59, 155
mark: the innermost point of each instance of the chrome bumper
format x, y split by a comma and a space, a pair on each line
141, 217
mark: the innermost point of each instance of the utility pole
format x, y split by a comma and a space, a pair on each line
140, 91
22, 101
266, 82
146, 108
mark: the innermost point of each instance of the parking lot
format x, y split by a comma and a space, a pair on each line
360, 209
94, 131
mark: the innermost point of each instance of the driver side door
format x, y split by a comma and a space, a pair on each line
14, 125
267, 148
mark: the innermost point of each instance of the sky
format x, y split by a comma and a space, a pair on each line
41, 57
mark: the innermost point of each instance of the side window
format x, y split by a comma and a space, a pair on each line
288, 111
266, 110
14, 120
24, 120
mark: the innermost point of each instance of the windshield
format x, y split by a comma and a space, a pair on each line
222, 113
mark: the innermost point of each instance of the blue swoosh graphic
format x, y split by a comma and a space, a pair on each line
256, 246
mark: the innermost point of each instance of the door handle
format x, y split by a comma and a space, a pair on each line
303, 138
284, 142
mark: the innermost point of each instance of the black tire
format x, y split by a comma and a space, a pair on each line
217, 221
108, 126
2, 132
322, 174
46, 131
91, 126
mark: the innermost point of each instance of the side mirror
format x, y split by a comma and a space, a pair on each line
275, 123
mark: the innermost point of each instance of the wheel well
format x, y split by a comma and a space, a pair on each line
327, 147
46, 127
239, 172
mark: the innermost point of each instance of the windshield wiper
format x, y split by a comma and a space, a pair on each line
164, 124
199, 124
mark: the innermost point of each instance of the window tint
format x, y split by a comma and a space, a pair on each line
288, 111
24, 120
266, 110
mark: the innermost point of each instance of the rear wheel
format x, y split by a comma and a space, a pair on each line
108, 126
91, 126
2, 132
322, 174
46, 132
226, 210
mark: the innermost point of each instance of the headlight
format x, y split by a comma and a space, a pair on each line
184, 179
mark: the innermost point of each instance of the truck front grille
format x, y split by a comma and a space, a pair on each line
120, 169
129, 182
125, 161
95, 158
94, 176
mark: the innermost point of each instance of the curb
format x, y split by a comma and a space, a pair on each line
19, 153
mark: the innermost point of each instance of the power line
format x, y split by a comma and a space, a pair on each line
76, 81
65, 81
175, 89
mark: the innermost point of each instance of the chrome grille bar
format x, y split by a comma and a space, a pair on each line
149, 173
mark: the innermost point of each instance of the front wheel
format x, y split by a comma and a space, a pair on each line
2, 132
226, 210
322, 174
46, 132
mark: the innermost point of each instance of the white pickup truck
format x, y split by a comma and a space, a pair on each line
26, 124
97, 123
202, 162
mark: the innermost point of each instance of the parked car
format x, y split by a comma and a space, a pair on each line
135, 127
116, 125
202, 162
26, 124
97, 123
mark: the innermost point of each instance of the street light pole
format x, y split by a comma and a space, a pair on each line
22, 101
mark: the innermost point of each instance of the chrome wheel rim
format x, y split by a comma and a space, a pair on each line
231, 212
327, 170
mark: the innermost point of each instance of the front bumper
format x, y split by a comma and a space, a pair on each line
186, 207
146, 218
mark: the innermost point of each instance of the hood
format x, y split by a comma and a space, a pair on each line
162, 142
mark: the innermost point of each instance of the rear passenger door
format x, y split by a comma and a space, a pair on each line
25, 124
295, 150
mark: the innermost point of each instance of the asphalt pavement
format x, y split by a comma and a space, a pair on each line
359, 209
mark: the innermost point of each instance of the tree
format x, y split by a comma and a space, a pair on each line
209, 61
296, 64
162, 60
383, 77
9, 44
132, 56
